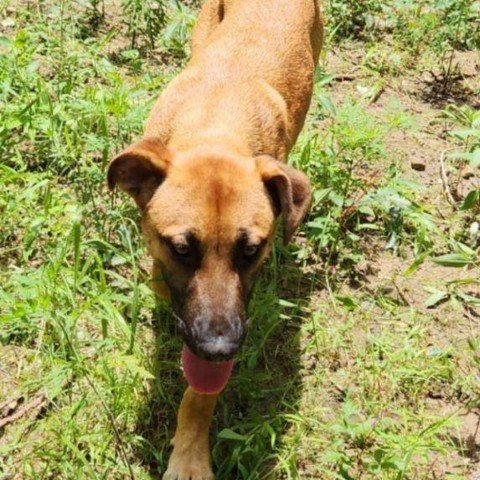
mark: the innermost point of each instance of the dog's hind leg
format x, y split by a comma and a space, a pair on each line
190, 459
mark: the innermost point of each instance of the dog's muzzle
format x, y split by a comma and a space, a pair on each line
215, 340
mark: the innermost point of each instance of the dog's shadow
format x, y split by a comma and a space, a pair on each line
263, 394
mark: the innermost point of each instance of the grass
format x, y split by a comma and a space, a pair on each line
363, 354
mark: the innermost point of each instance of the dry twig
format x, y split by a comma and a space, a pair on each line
36, 404
443, 175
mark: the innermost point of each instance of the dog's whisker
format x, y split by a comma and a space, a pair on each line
180, 319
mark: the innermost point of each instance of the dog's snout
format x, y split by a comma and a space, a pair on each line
214, 311
218, 340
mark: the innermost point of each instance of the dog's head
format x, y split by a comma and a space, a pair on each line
208, 218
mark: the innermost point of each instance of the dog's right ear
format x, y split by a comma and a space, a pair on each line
140, 169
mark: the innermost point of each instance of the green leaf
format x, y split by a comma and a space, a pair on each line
366, 210
326, 102
118, 260
452, 260
5, 42
286, 303
465, 133
321, 79
33, 67
130, 54
416, 264
336, 199
228, 434
320, 195
367, 226
347, 302
465, 250
132, 364
469, 299
435, 298
475, 158
470, 200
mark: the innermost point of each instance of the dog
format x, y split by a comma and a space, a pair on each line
210, 179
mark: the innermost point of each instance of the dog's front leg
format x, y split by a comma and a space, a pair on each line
190, 459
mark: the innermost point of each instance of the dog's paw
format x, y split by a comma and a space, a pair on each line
188, 469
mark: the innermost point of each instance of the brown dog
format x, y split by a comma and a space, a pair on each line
209, 179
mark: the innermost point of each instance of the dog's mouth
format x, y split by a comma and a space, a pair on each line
205, 376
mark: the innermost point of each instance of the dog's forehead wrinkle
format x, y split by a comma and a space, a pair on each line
252, 233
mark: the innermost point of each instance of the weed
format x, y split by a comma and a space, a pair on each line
143, 18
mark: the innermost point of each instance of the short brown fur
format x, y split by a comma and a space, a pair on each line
209, 179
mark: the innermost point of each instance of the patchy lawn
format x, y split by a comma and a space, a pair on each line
362, 360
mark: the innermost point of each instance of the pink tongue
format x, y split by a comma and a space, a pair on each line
205, 376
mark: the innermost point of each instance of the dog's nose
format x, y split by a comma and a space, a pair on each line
219, 341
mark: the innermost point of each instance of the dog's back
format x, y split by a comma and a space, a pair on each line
251, 73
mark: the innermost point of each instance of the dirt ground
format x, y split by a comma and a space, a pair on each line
423, 97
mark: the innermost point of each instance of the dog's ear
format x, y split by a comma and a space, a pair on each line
140, 169
290, 192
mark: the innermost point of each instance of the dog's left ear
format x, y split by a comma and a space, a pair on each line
289, 190
140, 169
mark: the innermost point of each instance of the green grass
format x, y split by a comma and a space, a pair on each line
364, 347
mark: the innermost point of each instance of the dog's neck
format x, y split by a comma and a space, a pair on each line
249, 124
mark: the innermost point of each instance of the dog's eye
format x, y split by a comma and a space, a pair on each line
247, 251
250, 250
181, 249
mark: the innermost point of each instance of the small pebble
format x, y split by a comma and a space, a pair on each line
418, 164
467, 172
